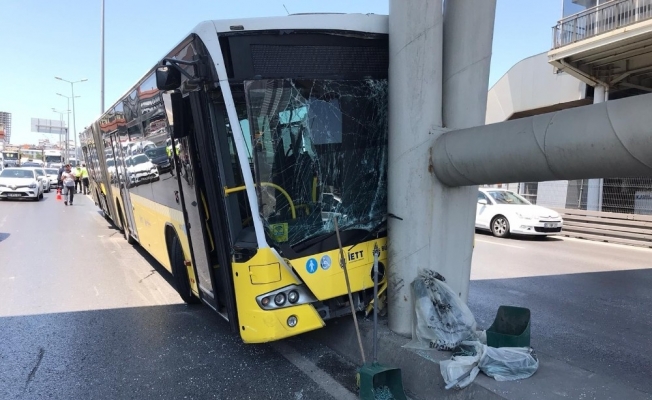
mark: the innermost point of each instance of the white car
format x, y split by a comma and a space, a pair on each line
141, 169
42, 176
53, 177
20, 183
504, 212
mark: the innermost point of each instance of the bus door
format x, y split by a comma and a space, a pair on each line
123, 183
197, 168
185, 163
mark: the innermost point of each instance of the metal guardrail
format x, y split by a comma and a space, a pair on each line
631, 229
600, 19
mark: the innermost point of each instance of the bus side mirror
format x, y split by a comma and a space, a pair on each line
167, 77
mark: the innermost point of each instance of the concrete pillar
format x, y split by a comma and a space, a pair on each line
415, 115
437, 230
594, 190
468, 36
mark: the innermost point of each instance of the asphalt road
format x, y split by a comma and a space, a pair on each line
590, 303
84, 315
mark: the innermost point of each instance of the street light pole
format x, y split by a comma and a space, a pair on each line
61, 119
68, 126
72, 89
102, 60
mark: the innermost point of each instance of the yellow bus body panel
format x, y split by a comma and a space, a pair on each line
258, 325
326, 282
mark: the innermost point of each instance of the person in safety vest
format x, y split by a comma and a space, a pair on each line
77, 173
85, 181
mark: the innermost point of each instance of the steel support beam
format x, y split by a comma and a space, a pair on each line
607, 140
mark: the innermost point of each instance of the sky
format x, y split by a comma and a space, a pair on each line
43, 39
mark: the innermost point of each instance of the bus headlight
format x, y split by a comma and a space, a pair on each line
288, 296
279, 299
293, 296
292, 321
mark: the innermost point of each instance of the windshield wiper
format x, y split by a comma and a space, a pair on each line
309, 241
375, 229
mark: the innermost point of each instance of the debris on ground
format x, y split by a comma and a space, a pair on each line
383, 393
500, 363
441, 319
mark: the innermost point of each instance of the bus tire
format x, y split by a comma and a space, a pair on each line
125, 230
179, 272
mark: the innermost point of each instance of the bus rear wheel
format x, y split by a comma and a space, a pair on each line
125, 229
180, 273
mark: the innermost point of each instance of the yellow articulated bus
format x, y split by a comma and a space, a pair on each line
230, 159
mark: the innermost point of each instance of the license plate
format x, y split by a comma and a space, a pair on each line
14, 194
550, 225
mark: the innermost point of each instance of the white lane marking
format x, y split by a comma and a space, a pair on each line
97, 292
500, 244
319, 376
3, 221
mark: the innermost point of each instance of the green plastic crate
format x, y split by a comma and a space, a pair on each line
511, 328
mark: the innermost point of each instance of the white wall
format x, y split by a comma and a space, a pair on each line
529, 85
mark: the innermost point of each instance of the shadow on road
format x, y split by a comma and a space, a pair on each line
4, 236
526, 238
160, 269
170, 351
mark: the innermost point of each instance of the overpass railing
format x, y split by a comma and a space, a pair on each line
600, 19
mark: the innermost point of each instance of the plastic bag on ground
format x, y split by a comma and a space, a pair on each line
508, 363
459, 365
441, 319
454, 368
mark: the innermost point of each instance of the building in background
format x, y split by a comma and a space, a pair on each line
5, 120
600, 51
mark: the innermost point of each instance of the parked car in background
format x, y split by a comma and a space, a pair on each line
140, 169
159, 157
43, 178
20, 183
53, 174
31, 164
504, 212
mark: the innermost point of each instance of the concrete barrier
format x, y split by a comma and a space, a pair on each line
631, 229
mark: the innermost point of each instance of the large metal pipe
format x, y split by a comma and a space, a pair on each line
611, 139
468, 36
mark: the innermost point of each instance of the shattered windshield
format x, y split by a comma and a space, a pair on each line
320, 149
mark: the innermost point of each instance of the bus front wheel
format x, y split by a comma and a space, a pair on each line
180, 273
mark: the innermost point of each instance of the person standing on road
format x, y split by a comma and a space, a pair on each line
61, 171
68, 178
85, 181
78, 184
